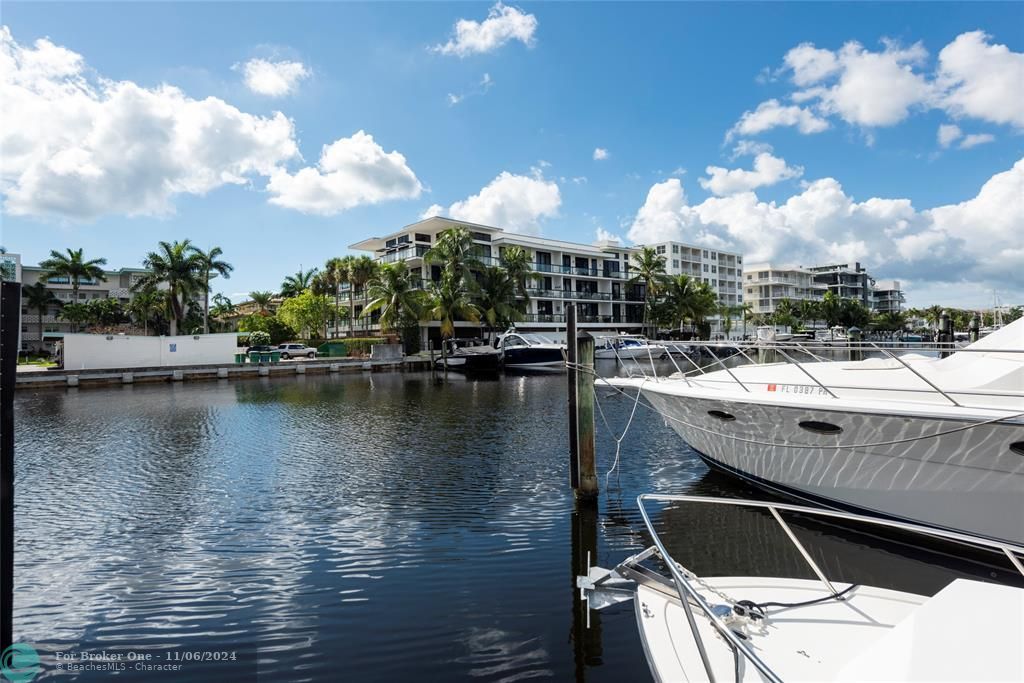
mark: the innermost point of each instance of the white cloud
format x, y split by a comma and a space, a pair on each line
749, 148
600, 154
869, 89
982, 80
975, 139
771, 114
948, 134
875, 88
768, 170
352, 171
274, 79
503, 24
976, 241
603, 235
481, 88
431, 211
78, 147
517, 203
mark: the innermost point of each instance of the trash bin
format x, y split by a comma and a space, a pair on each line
275, 356
254, 356
239, 358
264, 356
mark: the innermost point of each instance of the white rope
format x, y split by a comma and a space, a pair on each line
618, 440
791, 445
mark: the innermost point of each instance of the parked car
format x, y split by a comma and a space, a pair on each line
296, 351
261, 348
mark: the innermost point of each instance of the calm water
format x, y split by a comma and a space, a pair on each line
357, 527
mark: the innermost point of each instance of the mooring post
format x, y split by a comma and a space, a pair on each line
10, 326
579, 352
975, 327
945, 333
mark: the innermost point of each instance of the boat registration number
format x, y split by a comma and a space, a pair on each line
797, 389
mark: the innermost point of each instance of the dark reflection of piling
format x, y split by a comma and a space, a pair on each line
586, 642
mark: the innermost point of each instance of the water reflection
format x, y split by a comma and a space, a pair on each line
379, 527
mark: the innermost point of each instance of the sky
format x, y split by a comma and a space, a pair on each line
795, 133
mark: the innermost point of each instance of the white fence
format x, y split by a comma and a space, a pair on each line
98, 351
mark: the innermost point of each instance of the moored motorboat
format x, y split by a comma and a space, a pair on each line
937, 441
469, 355
627, 346
772, 628
531, 350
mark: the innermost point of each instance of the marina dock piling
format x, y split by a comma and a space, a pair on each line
580, 361
10, 327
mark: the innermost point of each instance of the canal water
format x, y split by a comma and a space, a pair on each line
375, 527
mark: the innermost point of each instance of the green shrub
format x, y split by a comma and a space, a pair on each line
259, 338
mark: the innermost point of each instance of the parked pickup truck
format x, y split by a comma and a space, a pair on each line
296, 351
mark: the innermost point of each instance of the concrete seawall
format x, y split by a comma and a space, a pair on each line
229, 371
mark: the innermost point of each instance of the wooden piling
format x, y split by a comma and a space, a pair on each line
582, 457
10, 326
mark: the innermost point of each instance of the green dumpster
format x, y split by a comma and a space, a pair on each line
275, 356
239, 358
264, 356
254, 356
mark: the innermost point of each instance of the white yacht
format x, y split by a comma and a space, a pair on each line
772, 628
937, 441
627, 346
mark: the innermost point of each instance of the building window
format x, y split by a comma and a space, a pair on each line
714, 269
420, 237
675, 263
705, 253
661, 249
675, 248
705, 267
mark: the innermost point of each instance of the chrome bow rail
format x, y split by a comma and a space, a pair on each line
804, 356
689, 595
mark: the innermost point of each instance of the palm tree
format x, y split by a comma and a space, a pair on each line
704, 303
336, 272
680, 294
519, 267
345, 271
785, 313
179, 267
147, 305
211, 269
650, 270
809, 310
75, 268
447, 302
932, 315
496, 297
40, 299
725, 311
262, 300
745, 310
454, 249
363, 269
829, 308
392, 293
294, 285
222, 306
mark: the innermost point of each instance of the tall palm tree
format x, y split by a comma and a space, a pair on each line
336, 271
680, 293
932, 315
345, 271
222, 306
179, 267
75, 267
363, 270
809, 310
40, 298
519, 267
294, 285
650, 270
830, 308
148, 305
447, 302
262, 300
391, 292
454, 248
212, 267
496, 298
745, 310
704, 303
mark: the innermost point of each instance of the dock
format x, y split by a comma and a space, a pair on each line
219, 371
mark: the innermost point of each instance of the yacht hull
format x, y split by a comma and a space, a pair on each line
533, 356
927, 470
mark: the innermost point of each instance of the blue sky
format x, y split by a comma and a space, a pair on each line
503, 125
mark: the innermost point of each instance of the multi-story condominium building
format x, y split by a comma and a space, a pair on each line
723, 270
764, 285
117, 286
10, 267
595, 277
846, 282
887, 297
